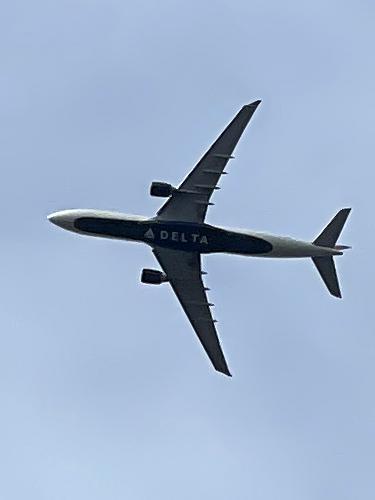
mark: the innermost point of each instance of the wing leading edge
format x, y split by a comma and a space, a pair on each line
190, 201
183, 270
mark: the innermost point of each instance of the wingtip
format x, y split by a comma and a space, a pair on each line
225, 371
252, 106
255, 103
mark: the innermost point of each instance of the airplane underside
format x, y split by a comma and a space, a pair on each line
189, 237
201, 238
178, 235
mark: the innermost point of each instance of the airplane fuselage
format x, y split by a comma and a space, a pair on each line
185, 236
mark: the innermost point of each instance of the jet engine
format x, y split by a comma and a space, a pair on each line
153, 277
161, 189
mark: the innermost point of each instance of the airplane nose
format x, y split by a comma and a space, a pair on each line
64, 219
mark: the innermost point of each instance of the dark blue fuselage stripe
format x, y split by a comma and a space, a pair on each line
201, 238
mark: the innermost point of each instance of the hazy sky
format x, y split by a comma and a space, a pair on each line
105, 391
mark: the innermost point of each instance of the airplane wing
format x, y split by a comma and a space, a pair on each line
190, 201
183, 270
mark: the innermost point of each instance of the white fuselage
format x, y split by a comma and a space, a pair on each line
202, 238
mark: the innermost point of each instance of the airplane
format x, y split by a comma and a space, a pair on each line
178, 235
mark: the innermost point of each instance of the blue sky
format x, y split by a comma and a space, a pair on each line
105, 391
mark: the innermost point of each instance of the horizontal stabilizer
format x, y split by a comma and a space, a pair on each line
331, 233
327, 270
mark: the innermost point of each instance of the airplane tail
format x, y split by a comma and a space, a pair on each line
328, 238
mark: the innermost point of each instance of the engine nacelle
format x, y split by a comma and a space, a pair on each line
161, 189
153, 277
